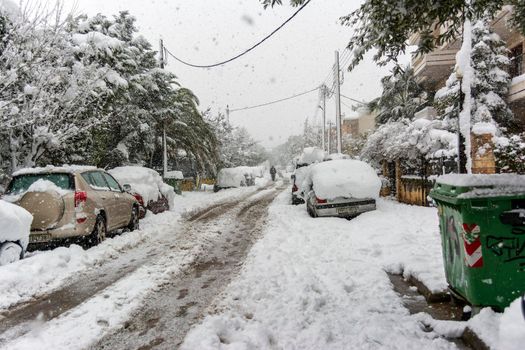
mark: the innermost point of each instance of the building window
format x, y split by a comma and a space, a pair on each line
516, 61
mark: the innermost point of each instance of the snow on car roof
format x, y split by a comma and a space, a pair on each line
344, 178
145, 181
54, 169
476, 180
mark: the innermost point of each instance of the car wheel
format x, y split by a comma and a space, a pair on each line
9, 253
134, 222
99, 232
310, 211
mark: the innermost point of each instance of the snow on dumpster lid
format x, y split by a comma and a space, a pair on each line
54, 169
477, 180
174, 174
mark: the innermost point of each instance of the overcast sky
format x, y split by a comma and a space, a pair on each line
296, 59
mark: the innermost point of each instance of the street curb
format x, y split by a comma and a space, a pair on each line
431, 297
473, 340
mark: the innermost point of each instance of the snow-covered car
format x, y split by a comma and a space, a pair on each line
343, 188
310, 155
72, 202
298, 177
147, 186
238, 177
15, 225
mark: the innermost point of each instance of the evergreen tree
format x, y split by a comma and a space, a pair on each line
401, 98
489, 86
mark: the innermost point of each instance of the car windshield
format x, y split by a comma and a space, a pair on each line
22, 183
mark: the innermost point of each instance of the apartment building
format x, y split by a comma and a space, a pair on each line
434, 68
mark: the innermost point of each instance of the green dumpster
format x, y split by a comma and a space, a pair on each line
174, 178
482, 225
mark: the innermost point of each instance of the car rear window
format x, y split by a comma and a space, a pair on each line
22, 183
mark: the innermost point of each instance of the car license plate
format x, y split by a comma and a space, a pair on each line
39, 238
355, 209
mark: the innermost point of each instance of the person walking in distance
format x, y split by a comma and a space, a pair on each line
273, 171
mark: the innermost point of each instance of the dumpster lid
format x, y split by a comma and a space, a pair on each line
477, 180
174, 174
481, 185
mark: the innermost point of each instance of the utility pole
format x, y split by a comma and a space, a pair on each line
338, 102
329, 150
323, 91
228, 114
164, 143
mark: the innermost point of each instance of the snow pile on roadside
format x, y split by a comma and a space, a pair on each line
146, 182
15, 223
501, 331
343, 178
320, 283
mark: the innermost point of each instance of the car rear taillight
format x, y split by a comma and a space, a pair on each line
320, 201
294, 188
139, 198
80, 197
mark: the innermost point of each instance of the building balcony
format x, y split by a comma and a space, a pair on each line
433, 69
517, 89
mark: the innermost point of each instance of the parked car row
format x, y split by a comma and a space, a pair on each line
334, 185
76, 202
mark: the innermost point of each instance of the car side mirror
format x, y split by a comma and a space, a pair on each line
127, 187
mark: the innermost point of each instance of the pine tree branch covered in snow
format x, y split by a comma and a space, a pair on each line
89, 90
401, 98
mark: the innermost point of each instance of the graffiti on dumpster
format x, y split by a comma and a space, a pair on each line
509, 248
452, 240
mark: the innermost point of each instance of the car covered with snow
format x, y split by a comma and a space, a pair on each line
343, 188
310, 155
72, 202
15, 225
147, 186
238, 177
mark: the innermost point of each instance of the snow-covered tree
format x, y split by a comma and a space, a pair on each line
43, 88
510, 154
401, 98
236, 146
489, 86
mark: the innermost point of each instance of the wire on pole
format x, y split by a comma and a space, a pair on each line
273, 102
245, 51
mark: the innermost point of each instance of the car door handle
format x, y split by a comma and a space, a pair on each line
103, 197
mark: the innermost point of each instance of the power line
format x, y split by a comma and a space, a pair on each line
353, 99
244, 52
273, 102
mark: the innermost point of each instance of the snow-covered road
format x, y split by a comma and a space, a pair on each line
85, 293
232, 271
322, 284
